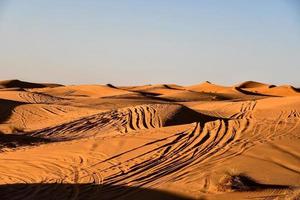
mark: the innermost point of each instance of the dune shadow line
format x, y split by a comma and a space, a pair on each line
55, 191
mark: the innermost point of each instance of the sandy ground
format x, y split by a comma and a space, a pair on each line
165, 141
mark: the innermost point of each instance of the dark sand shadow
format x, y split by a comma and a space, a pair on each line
6, 108
243, 183
14, 140
56, 191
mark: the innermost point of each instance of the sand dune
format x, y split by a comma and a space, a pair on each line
254, 84
22, 84
284, 90
228, 92
82, 91
29, 97
209, 87
165, 141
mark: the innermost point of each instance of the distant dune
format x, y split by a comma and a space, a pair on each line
163, 141
22, 84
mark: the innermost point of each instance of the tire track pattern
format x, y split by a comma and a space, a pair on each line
121, 120
141, 117
246, 110
36, 98
174, 154
82, 128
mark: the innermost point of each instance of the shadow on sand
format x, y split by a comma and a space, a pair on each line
6, 108
57, 191
14, 141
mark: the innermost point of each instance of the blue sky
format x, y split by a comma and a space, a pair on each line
127, 42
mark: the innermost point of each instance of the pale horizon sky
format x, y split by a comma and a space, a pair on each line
130, 42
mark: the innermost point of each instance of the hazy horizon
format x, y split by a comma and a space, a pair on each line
141, 42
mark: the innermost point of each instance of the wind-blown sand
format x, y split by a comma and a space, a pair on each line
166, 141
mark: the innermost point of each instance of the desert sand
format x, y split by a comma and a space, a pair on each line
164, 141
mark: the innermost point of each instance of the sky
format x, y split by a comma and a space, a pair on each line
130, 42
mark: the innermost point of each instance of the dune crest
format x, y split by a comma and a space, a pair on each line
253, 84
15, 83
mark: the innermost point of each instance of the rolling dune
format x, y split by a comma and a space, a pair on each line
149, 142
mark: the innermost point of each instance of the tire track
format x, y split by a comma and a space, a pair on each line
178, 152
122, 121
245, 110
33, 97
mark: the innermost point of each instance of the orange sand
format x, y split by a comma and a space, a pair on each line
149, 142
